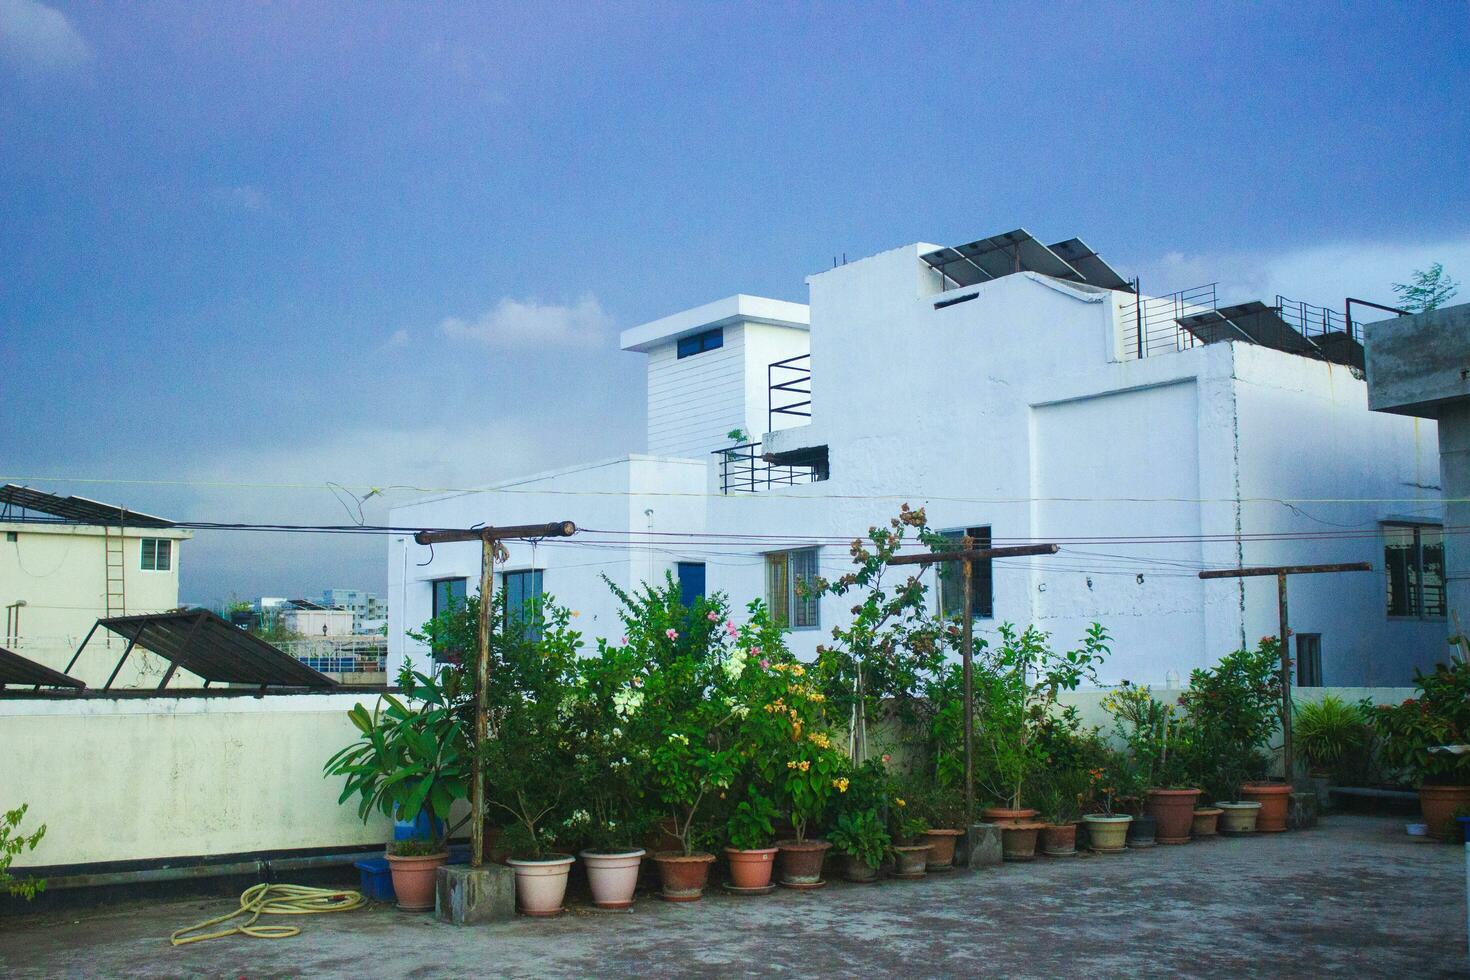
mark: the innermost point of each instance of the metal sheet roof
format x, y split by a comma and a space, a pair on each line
1074, 252
999, 255
204, 644
15, 669
15, 501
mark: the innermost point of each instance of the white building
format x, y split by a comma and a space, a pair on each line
1026, 394
66, 562
368, 612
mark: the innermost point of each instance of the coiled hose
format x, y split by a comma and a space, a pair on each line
265, 899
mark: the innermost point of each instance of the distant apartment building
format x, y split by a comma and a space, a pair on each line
66, 562
369, 613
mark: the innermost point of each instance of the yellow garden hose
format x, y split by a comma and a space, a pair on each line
263, 899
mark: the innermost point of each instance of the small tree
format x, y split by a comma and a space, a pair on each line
1234, 709
13, 842
1428, 290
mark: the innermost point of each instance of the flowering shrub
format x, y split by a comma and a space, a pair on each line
1440, 715
1157, 738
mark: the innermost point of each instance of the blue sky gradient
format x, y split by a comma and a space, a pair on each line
385, 244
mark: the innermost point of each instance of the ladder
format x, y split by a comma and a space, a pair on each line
116, 597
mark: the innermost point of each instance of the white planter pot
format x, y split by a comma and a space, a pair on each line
613, 878
1238, 818
542, 884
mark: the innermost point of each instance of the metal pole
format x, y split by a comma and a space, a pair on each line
1287, 760
73, 662
482, 685
967, 649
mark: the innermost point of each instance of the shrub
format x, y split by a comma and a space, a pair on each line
1328, 731
1440, 715
13, 842
1234, 708
861, 835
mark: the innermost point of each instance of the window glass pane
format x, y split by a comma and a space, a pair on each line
1399, 570
1431, 560
163, 555
951, 582
691, 582
523, 600
778, 589
1309, 659
150, 551
804, 576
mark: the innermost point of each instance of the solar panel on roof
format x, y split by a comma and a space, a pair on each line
78, 510
204, 644
15, 669
1097, 272
999, 255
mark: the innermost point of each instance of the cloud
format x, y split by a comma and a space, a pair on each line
529, 323
40, 40
397, 340
1319, 274
246, 197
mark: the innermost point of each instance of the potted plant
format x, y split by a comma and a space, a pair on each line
940, 809
529, 756
1327, 732
1417, 737
1206, 822
750, 853
1061, 797
1107, 831
689, 663
610, 774
1157, 742
863, 841
911, 848
413, 756
1233, 709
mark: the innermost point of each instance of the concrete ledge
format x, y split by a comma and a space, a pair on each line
468, 896
980, 848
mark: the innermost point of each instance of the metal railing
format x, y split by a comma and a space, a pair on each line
1150, 324
1316, 321
744, 470
793, 389
339, 654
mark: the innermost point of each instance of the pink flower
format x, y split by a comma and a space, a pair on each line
671, 634
756, 652
765, 664
625, 641
713, 617
730, 628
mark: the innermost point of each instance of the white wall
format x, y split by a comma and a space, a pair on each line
695, 401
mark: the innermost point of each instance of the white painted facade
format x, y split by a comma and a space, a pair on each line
1021, 410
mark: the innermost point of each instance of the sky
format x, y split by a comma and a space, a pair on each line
248, 251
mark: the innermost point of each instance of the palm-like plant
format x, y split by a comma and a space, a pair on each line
1328, 730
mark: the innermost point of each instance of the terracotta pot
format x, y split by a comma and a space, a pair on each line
1002, 816
1018, 840
1439, 804
1173, 809
910, 860
801, 863
1107, 834
1274, 798
941, 848
541, 883
1059, 839
1238, 817
414, 879
683, 877
858, 870
612, 876
751, 869
1206, 820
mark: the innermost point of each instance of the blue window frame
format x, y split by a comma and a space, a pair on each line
691, 583
448, 594
523, 600
701, 342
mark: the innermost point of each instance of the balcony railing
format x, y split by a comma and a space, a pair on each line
744, 470
789, 389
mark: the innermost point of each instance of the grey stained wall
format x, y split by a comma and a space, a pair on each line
1420, 365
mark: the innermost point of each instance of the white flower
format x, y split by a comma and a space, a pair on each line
735, 666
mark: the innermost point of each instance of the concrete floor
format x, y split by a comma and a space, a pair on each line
1353, 897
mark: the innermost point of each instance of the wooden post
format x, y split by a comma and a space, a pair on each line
965, 556
489, 538
1288, 760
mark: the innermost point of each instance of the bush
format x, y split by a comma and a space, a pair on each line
1329, 731
1234, 709
13, 842
1440, 715
861, 835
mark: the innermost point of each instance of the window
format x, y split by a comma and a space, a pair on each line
1309, 660
1413, 563
12, 536
790, 575
982, 582
691, 583
701, 342
157, 554
523, 600
449, 593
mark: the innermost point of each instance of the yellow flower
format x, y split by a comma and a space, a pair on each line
791, 765
778, 666
820, 740
798, 669
898, 801
817, 697
805, 765
840, 784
